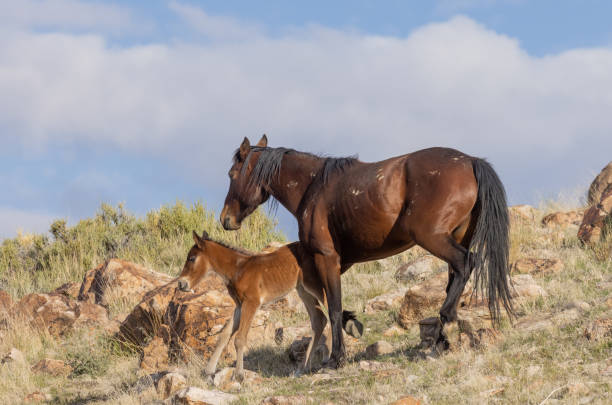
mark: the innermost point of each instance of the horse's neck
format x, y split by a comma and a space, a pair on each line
296, 174
225, 261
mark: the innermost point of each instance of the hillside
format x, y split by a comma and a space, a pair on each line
558, 350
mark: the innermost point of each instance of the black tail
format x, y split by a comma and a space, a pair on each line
488, 253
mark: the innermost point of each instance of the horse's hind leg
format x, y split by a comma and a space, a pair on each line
446, 248
317, 322
226, 334
247, 313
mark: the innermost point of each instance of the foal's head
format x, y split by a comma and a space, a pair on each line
243, 196
197, 263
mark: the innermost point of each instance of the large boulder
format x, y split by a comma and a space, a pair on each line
121, 280
385, 302
601, 182
595, 217
522, 214
58, 313
188, 322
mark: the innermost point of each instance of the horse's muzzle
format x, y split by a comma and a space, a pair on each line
230, 225
183, 285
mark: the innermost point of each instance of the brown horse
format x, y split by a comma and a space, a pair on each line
253, 280
348, 211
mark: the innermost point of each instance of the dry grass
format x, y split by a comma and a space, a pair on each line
556, 364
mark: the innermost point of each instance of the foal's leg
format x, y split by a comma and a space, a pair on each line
248, 312
226, 334
317, 322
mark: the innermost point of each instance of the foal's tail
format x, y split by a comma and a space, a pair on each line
488, 252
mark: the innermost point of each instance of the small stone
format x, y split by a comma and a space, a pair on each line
223, 379
378, 349
199, 396
169, 384
285, 400
53, 367
370, 365
14, 356
394, 331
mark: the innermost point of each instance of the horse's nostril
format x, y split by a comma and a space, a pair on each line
226, 223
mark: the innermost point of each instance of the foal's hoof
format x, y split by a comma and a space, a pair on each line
354, 328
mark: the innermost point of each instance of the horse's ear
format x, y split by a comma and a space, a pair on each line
196, 238
263, 142
245, 146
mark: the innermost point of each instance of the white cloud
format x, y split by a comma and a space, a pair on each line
215, 27
13, 220
65, 15
454, 83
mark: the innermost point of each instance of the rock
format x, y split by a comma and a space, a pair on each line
524, 287
6, 302
476, 328
121, 280
285, 400
595, 218
189, 322
170, 383
601, 182
14, 356
290, 302
420, 268
563, 219
378, 349
539, 322
154, 356
599, 329
408, 400
522, 213
297, 349
58, 313
37, 396
370, 365
537, 266
198, 396
223, 379
385, 302
53, 367
69, 289
394, 330
425, 298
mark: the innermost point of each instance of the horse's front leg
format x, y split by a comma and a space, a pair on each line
328, 267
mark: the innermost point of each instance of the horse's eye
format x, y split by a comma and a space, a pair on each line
191, 259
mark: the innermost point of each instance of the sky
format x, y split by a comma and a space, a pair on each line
144, 102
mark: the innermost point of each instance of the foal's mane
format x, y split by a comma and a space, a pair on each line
270, 160
226, 245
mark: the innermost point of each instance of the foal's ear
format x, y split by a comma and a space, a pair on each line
196, 238
263, 142
205, 235
245, 146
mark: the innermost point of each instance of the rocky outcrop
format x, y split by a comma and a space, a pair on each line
120, 278
563, 219
599, 329
52, 367
187, 322
601, 182
385, 302
596, 217
58, 313
170, 383
199, 396
522, 214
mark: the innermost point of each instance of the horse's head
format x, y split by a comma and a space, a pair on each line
244, 195
197, 264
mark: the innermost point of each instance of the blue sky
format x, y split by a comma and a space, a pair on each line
143, 102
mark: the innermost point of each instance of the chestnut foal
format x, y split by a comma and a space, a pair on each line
256, 279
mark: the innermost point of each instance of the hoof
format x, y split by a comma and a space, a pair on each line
334, 363
354, 328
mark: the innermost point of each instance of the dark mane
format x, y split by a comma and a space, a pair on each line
224, 244
270, 160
